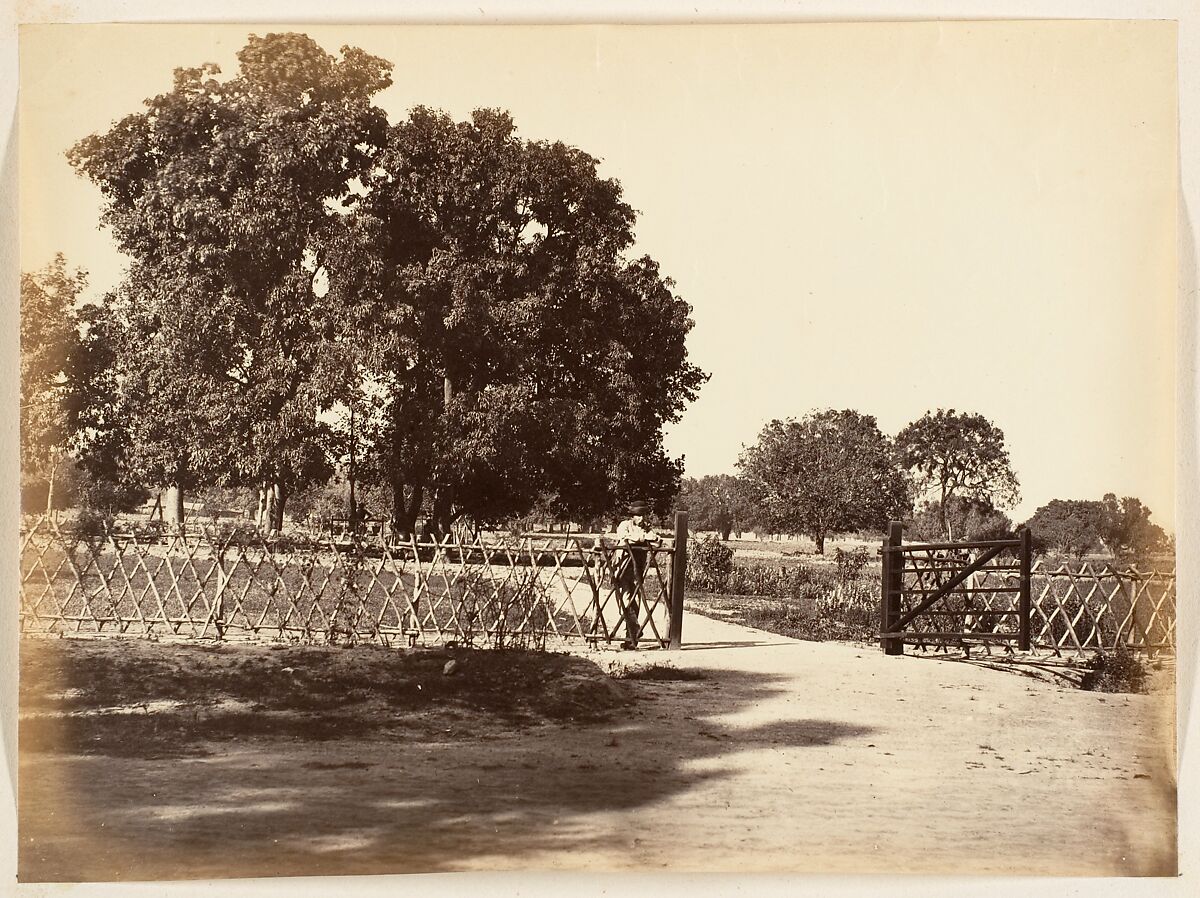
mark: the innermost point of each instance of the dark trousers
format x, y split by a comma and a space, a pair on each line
629, 574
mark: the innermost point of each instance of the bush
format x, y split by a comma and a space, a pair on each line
850, 564
709, 565
1117, 671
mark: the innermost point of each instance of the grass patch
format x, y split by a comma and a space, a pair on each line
135, 698
1120, 670
660, 673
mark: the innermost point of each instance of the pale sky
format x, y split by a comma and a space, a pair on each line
885, 217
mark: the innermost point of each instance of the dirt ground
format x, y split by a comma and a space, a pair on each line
746, 752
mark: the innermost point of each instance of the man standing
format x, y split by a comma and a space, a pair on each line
634, 540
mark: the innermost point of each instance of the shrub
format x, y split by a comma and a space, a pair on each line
709, 565
850, 564
1117, 671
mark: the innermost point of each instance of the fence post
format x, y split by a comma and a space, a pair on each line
678, 576
893, 585
222, 585
1023, 640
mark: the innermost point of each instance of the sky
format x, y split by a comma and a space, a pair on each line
893, 218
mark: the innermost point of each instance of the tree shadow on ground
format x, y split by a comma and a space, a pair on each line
446, 794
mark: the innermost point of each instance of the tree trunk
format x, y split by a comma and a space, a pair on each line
260, 513
278, 494
819, 539
442, 517
173, 508
405, 511
402, 527
271, 506
50, 484
725, 531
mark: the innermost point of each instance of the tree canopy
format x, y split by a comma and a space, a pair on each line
53, 400
830, 472
512, 351
969, 519
719, 502
446, 302
1068, 526
1126, 528
958, 454
222, 193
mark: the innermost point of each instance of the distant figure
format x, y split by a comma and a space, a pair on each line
634, 540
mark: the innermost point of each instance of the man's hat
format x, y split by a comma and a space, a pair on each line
639, 508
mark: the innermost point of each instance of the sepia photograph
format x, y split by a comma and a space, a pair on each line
597, 448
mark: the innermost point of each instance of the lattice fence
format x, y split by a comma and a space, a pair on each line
1075, 608
206, 583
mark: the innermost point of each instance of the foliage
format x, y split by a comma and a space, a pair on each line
512, 354
830, 472
1069, 526
709, 564
221, 193
51, 352
1120, 670
717, 502
1126, 528
110, 496
443, 303
850, 564
817, 623
967, 518
958, 455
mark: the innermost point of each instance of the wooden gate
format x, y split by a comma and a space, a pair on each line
959, 593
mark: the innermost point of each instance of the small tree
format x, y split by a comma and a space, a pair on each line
830, 472
50, 352
717, 502
957, 454
1126, 529
1069, 526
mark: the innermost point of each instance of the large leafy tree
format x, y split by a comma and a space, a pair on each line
1068, 526
53, 398
830, 472
958, 454
1126, 528
719, 502
223, 193
512, 354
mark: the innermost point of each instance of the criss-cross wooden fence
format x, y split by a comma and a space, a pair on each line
205, 583
984, 593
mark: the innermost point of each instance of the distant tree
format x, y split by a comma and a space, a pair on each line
1068, 526
969, 519
830, 472
1126, 528
717, 502
517, 355
51, 392
962, 455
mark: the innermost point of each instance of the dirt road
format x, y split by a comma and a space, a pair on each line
780, 756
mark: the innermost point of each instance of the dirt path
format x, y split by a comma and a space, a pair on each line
782, 756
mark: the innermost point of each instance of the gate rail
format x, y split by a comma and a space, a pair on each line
948, 574
992, 592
